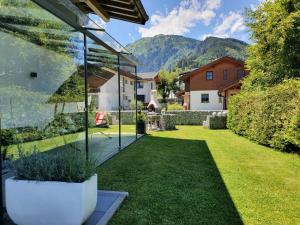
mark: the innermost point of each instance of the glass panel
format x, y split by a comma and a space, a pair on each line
103, 101
41, 80
66, 10
128, 104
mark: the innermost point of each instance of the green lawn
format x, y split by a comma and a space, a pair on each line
196, 176
51, 143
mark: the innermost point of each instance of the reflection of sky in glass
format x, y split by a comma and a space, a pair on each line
89, 21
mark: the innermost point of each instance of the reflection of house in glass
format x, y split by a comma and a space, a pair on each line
53, 55
104, 89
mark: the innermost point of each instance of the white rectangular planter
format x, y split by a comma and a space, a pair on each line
50, 203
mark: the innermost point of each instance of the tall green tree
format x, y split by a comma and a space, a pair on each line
169, 82
275, 54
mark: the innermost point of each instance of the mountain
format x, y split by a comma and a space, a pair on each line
170, 51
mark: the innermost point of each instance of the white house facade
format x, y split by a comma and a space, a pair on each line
107, 98
147, 83
206, 100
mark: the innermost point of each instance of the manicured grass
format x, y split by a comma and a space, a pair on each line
51, 143
196, 176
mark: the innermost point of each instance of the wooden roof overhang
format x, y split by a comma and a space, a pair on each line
128, 10
232, 85
156, 79
186, 75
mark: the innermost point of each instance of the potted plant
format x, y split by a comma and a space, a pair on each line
141, 123
52, 188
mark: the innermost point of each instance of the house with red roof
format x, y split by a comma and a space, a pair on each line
210, 86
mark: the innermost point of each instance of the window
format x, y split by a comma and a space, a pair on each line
140, 84
131, 82
240, 74
126, 81
209, 75
141, 98
204, 98
225, 75
151, 86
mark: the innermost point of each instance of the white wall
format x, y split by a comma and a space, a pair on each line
108, 96
146, 90
129, 92
214, 104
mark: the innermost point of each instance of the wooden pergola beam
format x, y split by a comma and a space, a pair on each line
97, 8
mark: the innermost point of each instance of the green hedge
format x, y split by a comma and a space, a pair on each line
270, 117
169, 121
182, 117
174, 106
127, 117
217, 122
191, 117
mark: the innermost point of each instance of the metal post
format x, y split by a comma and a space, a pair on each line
136, 109
86, 104
119, 92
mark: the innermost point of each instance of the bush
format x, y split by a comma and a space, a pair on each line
270, 117
7, 137
141, 117
174, 106
183, 117
217, 122
188, 117
139, 106
169, 121
126, 116
65, 166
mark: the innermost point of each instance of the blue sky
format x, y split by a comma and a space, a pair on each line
191, 18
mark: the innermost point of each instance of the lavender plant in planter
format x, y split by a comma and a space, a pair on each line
57, 189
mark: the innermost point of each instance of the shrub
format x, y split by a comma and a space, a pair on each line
126, 116
183, 117
270, 117
169, 121
139, 106
174, 106
217, 122
141, 117
65, 166
188, 117
7, 137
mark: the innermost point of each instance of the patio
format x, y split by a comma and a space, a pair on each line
199, 176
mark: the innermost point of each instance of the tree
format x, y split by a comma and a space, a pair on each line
275, 54
169, 82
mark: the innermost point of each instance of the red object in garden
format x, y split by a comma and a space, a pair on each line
99, 118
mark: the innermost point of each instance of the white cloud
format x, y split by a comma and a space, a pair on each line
230, 25
182, 18
97, 21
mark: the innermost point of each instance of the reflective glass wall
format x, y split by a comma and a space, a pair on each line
42, 88
128, 103
102, 67
52, 97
